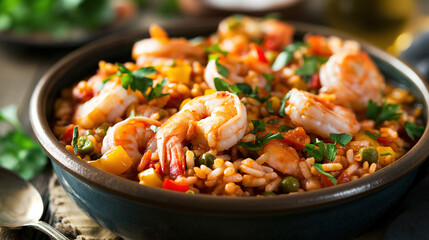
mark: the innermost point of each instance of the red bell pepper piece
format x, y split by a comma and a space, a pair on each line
68, 134
260, 52
296, 137
174, 186
314, 82
343, 178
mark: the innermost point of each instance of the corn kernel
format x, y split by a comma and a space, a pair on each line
209, 91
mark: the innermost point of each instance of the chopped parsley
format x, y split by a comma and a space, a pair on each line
286, 55
272, 121
328, 151
341, 138
216, 49
269, 107
371, 135
138, 80
384, 112
258, 126
284, 128
413, 130
283, 104
268, 77
385, 154
239, 88
75, 138
319, 168
154, 128
261, 141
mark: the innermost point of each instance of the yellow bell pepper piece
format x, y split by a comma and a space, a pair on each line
361, 136
96, 164
181, 73
184, 102
383, 150
116, 161
150, 178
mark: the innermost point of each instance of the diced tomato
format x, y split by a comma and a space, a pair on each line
384, 141
343, 178
327, 182
271, 42
319, 45
297, 138
174, 186
68, 134
260, 52
314, 82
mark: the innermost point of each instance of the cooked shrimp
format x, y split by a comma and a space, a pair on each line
133, 134
241, 70
236, 31
353, 77
280, 156
108, 105
318, 116
161, 46
216, 121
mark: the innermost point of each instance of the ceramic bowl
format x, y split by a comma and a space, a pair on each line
135, 211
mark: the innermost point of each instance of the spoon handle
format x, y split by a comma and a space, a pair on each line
49, 230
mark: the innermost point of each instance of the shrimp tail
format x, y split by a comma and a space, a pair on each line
171, 156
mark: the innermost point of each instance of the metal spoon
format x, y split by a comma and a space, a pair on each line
21, 205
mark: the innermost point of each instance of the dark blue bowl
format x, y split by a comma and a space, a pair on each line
140, 212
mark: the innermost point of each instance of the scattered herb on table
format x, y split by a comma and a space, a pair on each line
18, 152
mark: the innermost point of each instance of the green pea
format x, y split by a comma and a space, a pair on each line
101, 130
369, 154
206, 159
85, 146
268, 194
289, 184
96, 156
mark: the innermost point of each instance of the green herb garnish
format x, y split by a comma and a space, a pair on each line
156, 92
260, 142
284, 128
75, 138
272, 121
371, 135
154, 128
269, 107
341, 138
413, 130
384, 112
385, 154
283, 104
319, 168
19, 152
258, 126
328, 151
239, 88
216, 49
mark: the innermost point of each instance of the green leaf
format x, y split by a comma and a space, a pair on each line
283, 104
282, 59
222, 70
156, 92
384, 112
319, 168
154, 128
295, 46
328, 151
216, 49
269, 108
260, 142
75, 138
272, 121
284, 128
221, 85
413, 130
371, 135
341, 138
268, 77
309, 67
9, 114
317, 154
331, 152
245, 88
258, 126
143, 72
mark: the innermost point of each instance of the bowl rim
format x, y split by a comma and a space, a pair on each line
131, 190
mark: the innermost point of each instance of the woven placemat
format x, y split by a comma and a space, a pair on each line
72, 221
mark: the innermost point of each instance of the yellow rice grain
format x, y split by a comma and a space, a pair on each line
314, 171
271, 176
364, 175
351, 169
350, 156
365, 165
236, 164
357, 158
311, 184
267, 169
353, 178
273, 186
215, 173
251, 181
189, 157
218, 162
249, 138
200, 173
205, 169
233, 189
229, 171
210, 183
229, 164
310, 161
236, 177
327, 167
372, 168
252, 171
218, 189
304, 169
388, 160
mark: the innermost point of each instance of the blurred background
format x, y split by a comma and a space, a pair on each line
34, 35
